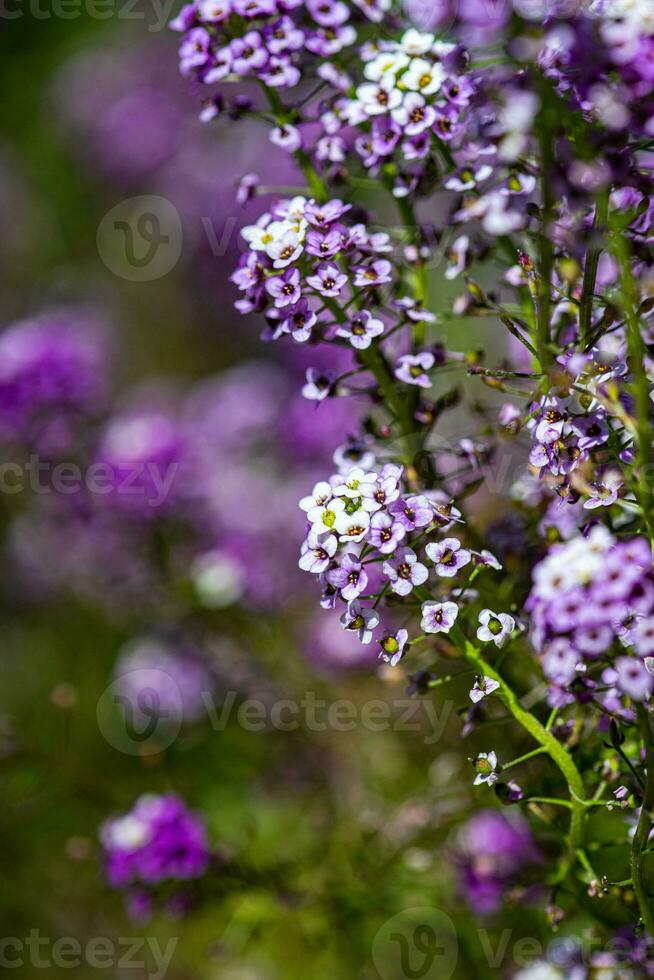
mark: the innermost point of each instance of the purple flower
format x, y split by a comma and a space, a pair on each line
328, 280
280, 73
248, 53
350, 577
490, 851
300, 322
158, 840
325, 214
413, 368
438, 617
374, 274
448, 556
285, 289
404, 571
385, 533
324, 243
194, 51
413, 512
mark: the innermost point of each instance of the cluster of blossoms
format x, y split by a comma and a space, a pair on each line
267, 40
159, 842
302, 250
542, 149
359, 520
410, 107
589, 596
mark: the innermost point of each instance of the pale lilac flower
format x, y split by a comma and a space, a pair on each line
495, 627
328, 280
404, 571
482, 687
438, 617
643, 637
361, 330
285, 289
361, 620
448, 556
385, 532
604, 492
350, 577
633, 678
393, 646
376, 273
317, 552
412, 512
318, 384
413, 369
287, 137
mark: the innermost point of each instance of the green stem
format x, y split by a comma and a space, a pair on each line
643, 830
544, 738
590, 270
637, 352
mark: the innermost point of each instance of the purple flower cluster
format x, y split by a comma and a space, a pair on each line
301, 251
491, 852
53, 376
592, 619
360, 519
158, 840
266, 40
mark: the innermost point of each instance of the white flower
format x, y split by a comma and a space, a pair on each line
416, 43
358, 483
353, 527
486, 768
495, 627
423, 76
360, 620
286, 247
389, 63
320, 495
326, 517
380, 97
126, 833
482, 687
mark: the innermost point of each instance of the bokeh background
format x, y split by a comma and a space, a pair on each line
329, 833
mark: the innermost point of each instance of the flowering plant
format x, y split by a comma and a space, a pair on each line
519, 150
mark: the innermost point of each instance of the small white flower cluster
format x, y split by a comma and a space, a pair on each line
402, 78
